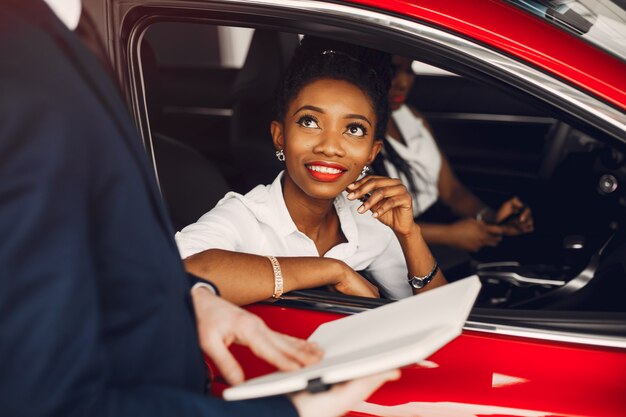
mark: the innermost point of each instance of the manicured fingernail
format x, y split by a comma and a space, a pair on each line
350, 196
374, 214
351, 185
361, 209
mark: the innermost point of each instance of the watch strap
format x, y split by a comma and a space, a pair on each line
425, 279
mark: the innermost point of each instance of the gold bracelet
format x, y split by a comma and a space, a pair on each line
278, 277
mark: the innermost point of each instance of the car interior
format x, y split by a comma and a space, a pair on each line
208, 111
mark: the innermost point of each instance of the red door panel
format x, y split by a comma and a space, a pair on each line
479, 374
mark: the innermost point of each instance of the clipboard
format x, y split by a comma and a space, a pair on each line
384, 338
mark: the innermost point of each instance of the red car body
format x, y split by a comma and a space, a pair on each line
482, 372
506, 28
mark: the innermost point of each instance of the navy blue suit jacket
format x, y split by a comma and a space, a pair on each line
95, 313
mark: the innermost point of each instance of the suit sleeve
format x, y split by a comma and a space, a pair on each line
193, 280
53, 358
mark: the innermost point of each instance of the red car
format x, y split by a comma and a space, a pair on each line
526, 96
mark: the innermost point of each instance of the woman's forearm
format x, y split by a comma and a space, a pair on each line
436, 234
464, 203
457, 197
244, 278
419, 259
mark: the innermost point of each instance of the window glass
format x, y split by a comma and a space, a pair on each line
178, 44
500, 142
421, 68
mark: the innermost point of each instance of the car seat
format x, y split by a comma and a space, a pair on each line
253, 97
190, 184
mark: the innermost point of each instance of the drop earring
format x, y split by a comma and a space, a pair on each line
280, 155
365, 170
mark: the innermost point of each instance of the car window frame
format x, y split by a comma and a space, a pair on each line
409, 37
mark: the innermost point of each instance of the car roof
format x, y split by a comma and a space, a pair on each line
495, 23
523, 35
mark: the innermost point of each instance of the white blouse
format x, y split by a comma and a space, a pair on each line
422, 155
259, 223
68, 11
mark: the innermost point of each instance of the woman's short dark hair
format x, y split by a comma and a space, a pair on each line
318, 58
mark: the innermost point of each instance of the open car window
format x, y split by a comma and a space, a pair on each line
206, 108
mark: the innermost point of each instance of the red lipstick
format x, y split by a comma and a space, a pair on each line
325, 171
398, 99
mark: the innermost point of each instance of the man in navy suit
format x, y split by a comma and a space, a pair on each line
96, 313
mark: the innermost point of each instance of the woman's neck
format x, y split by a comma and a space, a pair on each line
316, 218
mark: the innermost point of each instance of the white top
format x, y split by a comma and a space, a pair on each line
422, 155
68, 11
259, 223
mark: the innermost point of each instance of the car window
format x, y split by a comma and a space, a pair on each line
186, 45
422, 68
499, 141
190, 70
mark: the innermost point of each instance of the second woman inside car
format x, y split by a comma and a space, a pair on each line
318, 223
453, 220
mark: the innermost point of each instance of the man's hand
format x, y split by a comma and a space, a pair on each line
221, 324
341, 397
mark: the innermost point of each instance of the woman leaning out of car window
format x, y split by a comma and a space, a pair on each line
321, 219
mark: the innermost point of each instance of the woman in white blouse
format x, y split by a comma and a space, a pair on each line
318, 223
411, 154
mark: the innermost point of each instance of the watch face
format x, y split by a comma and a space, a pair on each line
417, 283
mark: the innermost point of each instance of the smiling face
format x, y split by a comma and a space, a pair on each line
327, 137
402, 81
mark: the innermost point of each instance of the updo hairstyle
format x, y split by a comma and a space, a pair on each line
318, 58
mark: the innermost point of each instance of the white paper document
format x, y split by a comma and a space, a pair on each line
387, 337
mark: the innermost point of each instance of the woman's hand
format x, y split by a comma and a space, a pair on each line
522, 222
472, 235
387, 199
352, 283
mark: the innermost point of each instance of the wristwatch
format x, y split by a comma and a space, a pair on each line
420, 282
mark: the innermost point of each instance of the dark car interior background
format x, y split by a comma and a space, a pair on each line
209, 126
